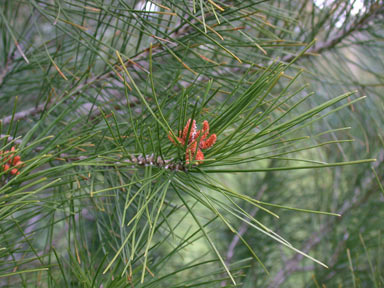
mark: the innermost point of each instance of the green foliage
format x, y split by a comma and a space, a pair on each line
92, 92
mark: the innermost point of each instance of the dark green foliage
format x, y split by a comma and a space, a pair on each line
290, 195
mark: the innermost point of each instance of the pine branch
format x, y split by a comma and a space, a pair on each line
10, 138
319, 47
140, 61
140, 160
246, 105
151, 160
291, 265
242, 230
24, 114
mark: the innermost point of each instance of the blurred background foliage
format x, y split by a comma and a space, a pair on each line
87, 86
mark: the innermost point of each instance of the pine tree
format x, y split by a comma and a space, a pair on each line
191, 143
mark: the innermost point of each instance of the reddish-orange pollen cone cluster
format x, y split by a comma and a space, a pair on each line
13, 163
192, 148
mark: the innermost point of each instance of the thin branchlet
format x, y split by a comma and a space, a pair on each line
151, 160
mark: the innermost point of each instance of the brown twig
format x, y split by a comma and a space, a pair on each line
243, 229
140, 160
151, 160
293, 263
24, 114
140, 60
10, 138
338, 37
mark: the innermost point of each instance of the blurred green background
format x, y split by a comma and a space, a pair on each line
348, 56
